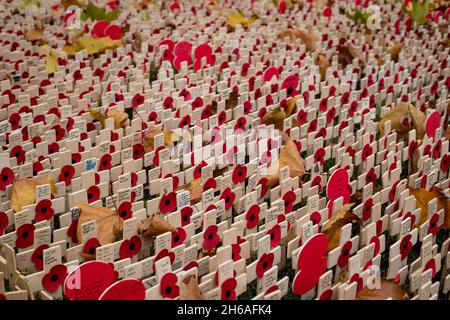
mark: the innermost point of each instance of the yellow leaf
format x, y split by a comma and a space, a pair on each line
70, 50
23, 192
51, 64
237, 17
423, 197
396, 116
97, 115
120, 118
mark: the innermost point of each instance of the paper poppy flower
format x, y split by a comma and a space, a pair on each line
317, 181
138, 151
210, 237
59, 132
72, 231
222, 117
53, 148
239, 174
55, 278
312, 126
38, 257
228, 289
197, 103
186, 214
4, 221
178, 237
240, 124
137, 100
264, 188
252, 216
319, 156
6, 177
367, 209
105, 162
359, 282
90, 247
185, 121
321, 133
289, 199
66, 174
168, 203
265, 262
14, 121
168, 103
366, 152
235, 252
427, 150
345, 254
198, 169
353, 108
76, 157
371, 176
433, 226
156, 155
124, 210
275, 236
445, 162
210, 184
392, 192
376, 241
262, 112
153, 117
25, 236
168, 287
77, 75
411, 148
229, 197
190, 265
130, 247
18, 153
315, 217
93, 193
164, 253
331, 114
437, 149
44, 210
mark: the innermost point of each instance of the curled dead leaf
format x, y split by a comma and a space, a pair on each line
447, 133
289, 156
388, 290
169, 138
308, 37
97, 115
348, 53
109, 223
398, 114
332, 228
35, 35
395, 50
292, 105
189, 289
23, 192
423, 197
120, 118
323, 63
232, 100
196, 190
154, 226
275, 117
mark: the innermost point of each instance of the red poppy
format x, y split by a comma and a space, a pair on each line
178, 237
197, 103
18, 153
252, 216
317, 181
265, 262
392, 192
186, 214
289, 199
411, 148
59, 132
105, 162
25, 236
312, 126
427, 150
153, 117
239, 174
210, 184
376, 241
168, 103
371, 177
240, 124
190, 265
445, 162
168, 203
437, 149
345, 254
331, 114
222, 117
164, 253
4, 221
433, 226
264, 188
138, 151
229, 197
185, 121
38, 257
66, 174
168, 287
367, 209
275, 236
77, 75
90, 246
262, 112
54, 278
326, 294
129, 248
14, 121
198, 169
210, 237
431, 265
156, 155
228, 289
53, 148
319, 156
76, 157
72, 231
359, 281
125, 211
366, 152
137, 100
353, 108
6, 177
93, 193
235, 252
44, 210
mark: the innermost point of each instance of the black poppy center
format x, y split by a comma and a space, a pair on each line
290, 90
265, 265
346, 252
405, 245
54, 277
43, 210
89, 195
210, 236
167, 202
25, 234
91, 250
168, 290
5, 177
123, 213
227, 199
185, 218
132, 246
228, 293
286, 203
17, 154
41, 256
176, 238
105, 163
252, 217
66, 174
272, 236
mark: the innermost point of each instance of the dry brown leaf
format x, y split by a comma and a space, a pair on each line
308, 37
289, 156
332, 228
120, 118
447, 133
396, 116
395, 50
423, 197
292, 105
189, 289
389, 289
154, 226
23, 192
275, 117
35, 35
196, 190
109, 223
323, 64
169, 138
232, 100
348, 53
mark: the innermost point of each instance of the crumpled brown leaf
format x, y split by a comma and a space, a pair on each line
120, 118
278, 115
308, 37
332, 228
398, 113
447, 133
196, 190
289, 156
189, 289
395, 50
323, 63
348, 53
423, 197
232, 100
35, 35
292, 105
109, 223
154, 226
23, 192
169, 138
389, 289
